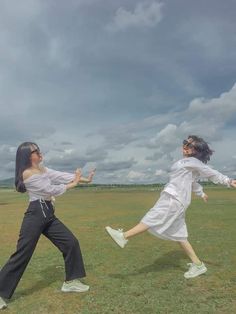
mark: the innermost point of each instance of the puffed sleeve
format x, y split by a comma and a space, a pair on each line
207, 172
58, 177
39, 185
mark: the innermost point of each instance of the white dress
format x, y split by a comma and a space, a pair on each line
166, 218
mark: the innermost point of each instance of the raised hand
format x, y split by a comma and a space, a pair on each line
91, 175
233, 183
205, 197
89, 178
78, 174
76, 180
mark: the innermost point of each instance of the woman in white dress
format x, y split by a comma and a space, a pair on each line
166, 219
42, 184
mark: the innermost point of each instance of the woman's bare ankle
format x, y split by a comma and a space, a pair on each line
125, 235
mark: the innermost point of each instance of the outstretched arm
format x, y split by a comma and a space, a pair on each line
207, 172
60, 177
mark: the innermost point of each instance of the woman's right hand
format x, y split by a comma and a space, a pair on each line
78, 174
205, 197
233, 183
76, 180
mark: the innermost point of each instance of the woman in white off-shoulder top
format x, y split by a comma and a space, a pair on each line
42, 185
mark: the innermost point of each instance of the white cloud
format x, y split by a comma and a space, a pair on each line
115, 165
167, 136
209, 117
145, 14
160, 173
220, 108
147, 147
135, 175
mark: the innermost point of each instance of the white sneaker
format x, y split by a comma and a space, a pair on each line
74, 286
3, 304
195, 270
117, 236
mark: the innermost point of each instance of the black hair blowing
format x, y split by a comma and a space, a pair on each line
23, 162
203, 151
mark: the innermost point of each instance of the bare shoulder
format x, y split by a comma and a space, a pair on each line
27, 173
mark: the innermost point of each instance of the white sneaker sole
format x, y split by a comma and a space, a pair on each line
2, 307
109, 231
203, 271
74, 290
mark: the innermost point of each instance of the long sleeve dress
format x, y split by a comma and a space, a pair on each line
166, 218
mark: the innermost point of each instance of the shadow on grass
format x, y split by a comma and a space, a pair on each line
170, 260
49, 274
208, 262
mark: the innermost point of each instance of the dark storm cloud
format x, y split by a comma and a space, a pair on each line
114, 166
96, 154
66, 162
125, 72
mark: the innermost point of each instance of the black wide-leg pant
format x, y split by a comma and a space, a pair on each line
40, 219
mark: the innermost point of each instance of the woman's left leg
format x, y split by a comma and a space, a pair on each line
67, 243
196, 267
188, 249
121, 238
139, 228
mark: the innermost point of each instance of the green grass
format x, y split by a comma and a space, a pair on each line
146, 276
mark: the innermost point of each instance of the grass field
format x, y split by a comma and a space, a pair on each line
146, 276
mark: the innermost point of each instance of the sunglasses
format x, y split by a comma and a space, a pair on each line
37, 151
188, 144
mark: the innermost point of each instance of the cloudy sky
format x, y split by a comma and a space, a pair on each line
117, 84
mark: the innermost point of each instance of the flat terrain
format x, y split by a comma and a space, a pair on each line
146, 276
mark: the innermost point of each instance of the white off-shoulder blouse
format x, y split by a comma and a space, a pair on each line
47, 184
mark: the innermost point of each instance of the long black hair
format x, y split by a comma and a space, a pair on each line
202, 150
23, 162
